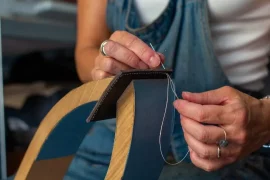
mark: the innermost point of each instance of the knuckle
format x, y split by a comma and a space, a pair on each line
231, 154
242, 138
117, 34
234, 157
108, 64
205, 154
132, 60
206, 96
131, 41
240, 114
101, 75
143, 51
230, 110
201, 115
110, 47
227, 89
203, 135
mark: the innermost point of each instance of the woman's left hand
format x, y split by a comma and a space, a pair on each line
207, 116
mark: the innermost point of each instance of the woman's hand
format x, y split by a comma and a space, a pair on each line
205, 117
125, 51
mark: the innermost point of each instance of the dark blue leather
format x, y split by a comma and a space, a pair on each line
67, 136
106, 106
145, 161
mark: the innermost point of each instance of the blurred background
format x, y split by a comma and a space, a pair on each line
37, 69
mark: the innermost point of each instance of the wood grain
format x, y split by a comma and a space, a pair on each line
86, 93
123, 134
52, 169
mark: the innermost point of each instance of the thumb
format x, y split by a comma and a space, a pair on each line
212, 97
162, 57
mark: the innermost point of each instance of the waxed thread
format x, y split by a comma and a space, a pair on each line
172, 85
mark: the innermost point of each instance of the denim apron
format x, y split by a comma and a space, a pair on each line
182, 34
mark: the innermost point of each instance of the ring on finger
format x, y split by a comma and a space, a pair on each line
224, 142
101, 49
218, 152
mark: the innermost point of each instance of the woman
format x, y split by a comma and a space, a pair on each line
218, 51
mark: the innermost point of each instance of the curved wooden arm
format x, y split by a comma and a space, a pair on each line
33, 164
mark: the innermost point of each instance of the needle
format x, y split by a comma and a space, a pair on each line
160, 61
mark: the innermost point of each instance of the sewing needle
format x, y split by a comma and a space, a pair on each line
160, 61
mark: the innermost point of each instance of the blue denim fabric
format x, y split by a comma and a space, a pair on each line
93, 156
182, 34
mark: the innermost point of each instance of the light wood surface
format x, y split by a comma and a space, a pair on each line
123, 134
50, 169
86, 93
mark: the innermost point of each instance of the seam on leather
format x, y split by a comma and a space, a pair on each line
115, 81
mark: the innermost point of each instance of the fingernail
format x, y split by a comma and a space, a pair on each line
175, 103
179, 103
162, 57
142, 65
154, 60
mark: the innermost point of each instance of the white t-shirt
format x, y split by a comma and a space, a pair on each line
240, 32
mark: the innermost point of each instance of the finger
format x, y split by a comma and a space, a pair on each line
207, 134
142, 50
209, 151
111, 65
215, 97
209, 165
162, 57
124, 55
209, 114
98, 74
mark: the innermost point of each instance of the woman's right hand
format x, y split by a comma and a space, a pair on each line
124, 51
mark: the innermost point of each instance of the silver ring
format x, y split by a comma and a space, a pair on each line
224, 142
101, 49
218, 152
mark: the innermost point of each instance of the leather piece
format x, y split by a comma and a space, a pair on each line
106, 106
144, 160
66, 137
